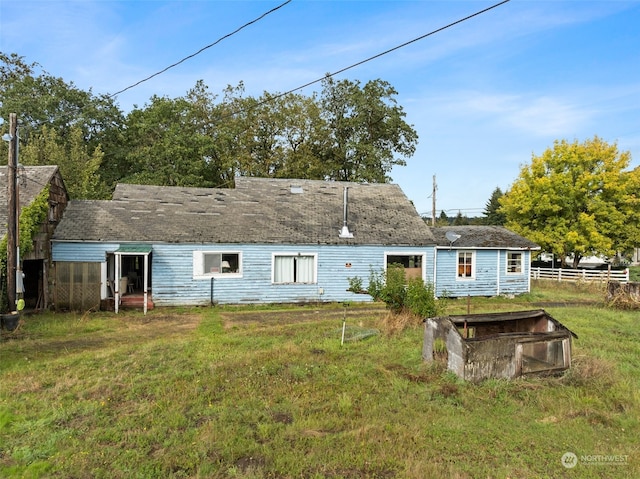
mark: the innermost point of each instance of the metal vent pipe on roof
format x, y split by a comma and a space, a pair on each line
344, 232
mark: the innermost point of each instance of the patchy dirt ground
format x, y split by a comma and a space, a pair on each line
289, 316
82, 336
161, 323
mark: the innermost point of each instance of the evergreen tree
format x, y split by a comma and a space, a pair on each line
492, 213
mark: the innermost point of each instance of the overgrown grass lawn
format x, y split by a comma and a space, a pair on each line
272, 393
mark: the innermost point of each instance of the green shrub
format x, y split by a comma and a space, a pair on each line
394, 291
420, 298
355, 284
414, 296
376, 283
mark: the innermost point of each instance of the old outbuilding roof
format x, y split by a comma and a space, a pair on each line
32, 180
476, 236
257, 210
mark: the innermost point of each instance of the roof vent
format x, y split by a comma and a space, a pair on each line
296, 189
344, 232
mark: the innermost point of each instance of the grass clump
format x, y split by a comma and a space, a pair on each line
393, 323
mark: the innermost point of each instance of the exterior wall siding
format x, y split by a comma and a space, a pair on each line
515, 283
173, 282
82, 252
490, 278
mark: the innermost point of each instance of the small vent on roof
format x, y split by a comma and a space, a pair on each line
296, 189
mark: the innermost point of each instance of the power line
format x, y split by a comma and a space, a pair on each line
200, 51
79, 109
448, 211
342, 70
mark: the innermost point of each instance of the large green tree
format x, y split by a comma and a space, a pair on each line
280, 136
42, 100
78, 165
348, 132
368, 135
577, 199
170, 142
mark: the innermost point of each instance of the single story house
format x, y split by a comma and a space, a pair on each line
481, 261
264, 241
34, 264
267, 241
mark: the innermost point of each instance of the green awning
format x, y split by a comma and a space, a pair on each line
134, 249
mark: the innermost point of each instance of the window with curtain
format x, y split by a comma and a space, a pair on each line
294, 268
465, 265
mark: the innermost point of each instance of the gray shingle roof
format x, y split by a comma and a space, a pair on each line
472, 236
35, 179
257, 210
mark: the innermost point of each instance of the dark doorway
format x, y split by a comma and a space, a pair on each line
34, 291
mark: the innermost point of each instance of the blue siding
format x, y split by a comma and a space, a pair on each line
82, 252
490, 278
515, 283
173, 282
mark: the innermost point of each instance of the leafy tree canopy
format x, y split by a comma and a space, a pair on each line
577, 199
78, 166
367, 131
348, 132
40, 99
52, 109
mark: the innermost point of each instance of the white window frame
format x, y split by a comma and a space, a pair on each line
198, 265
421, 254
473, 265
294, 255
512, 262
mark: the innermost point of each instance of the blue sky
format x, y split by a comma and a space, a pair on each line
483, 95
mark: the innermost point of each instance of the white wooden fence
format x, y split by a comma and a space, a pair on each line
586, 275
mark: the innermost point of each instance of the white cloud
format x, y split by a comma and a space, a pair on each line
546, 116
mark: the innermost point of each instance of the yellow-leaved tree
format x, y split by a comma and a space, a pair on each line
576, 200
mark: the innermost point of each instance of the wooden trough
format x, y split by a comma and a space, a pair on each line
499, 345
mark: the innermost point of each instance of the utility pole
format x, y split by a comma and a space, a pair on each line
433, 202
12, 217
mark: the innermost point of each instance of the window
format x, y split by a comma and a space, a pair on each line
412, 263
465, 265
514, 262
544, 356
294, 268
216, 263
